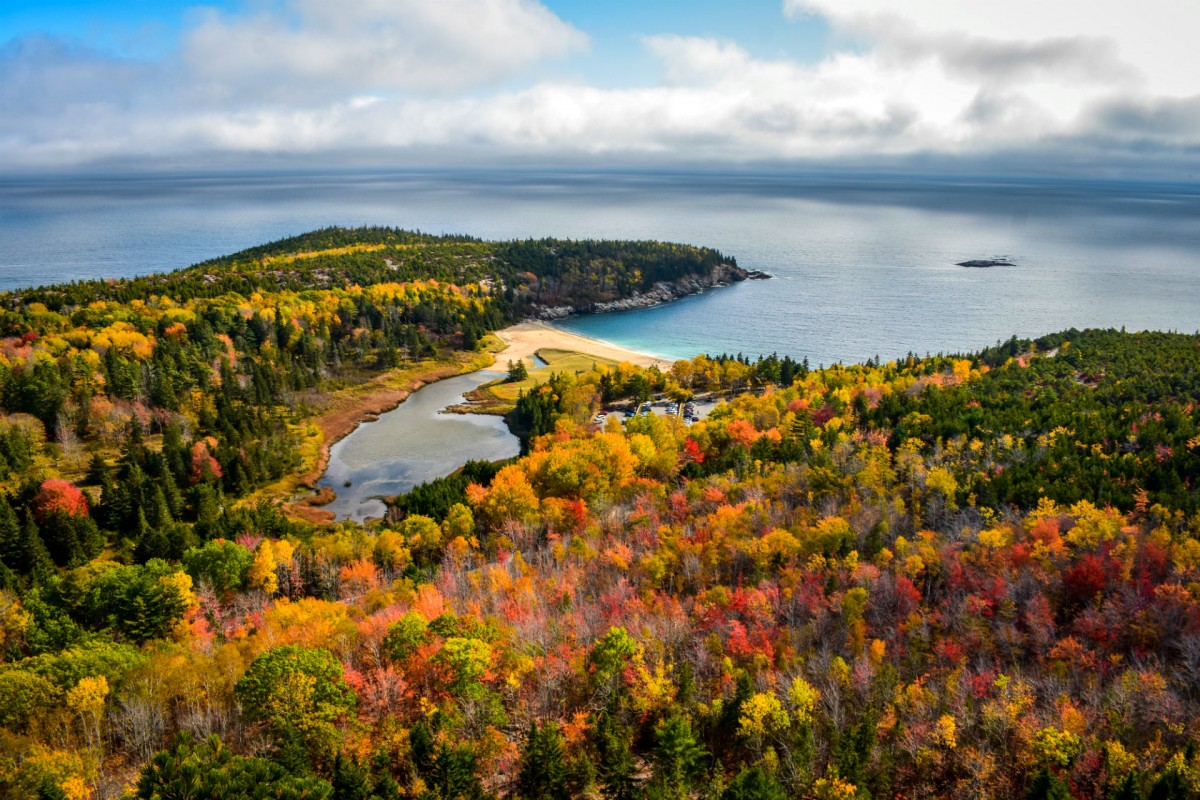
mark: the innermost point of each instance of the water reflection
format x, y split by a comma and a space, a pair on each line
411, 444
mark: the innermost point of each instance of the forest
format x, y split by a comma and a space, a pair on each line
957, 575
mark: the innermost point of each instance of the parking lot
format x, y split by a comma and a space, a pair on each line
690, 412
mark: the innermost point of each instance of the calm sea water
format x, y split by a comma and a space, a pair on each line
864, 266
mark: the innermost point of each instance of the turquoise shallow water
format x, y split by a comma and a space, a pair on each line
864, 265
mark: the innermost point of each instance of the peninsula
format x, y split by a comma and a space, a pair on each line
266, 357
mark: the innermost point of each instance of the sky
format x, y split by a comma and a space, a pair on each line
1104, 88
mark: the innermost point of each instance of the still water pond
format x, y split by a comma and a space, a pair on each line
411, 444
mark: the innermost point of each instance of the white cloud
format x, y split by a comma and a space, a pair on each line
388, 79
313, 48
1154, 37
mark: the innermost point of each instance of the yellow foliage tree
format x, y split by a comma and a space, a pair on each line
803, 697
762, 715
87, 699
261, 574
510, 498
310, 622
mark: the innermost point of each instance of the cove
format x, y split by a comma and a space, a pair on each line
411, 444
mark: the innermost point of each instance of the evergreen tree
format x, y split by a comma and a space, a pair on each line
385, 786
1128, 788
151, 541
159, 514
1170, 786
678, 757
615, 767
206, 501
1046, 786
350, 781
421, 748
188, 770
13, 552
854, 748
30, 551
754, 784
49, 790
37, 560
543, 774
581, 776
453, 774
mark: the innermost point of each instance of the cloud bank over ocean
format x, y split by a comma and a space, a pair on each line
1061, 87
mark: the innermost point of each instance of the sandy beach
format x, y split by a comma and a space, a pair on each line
527, 338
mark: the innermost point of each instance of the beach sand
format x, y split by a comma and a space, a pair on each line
527, 338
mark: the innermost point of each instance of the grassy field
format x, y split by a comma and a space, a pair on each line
556, 361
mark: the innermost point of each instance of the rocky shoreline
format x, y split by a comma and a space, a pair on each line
659, 293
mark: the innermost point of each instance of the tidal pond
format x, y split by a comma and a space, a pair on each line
411, 444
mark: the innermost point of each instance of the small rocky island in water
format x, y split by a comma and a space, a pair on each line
988, 262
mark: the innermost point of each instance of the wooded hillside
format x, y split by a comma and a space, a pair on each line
954, 576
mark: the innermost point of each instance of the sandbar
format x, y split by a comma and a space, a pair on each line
526, 338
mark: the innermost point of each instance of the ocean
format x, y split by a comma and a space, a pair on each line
864, 265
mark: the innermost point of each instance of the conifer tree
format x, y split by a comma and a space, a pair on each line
350, 781
454, 774
614, 763
678, 757
1128, 788
36, 558
1045, 786
754, 784
12, 549
543, 774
